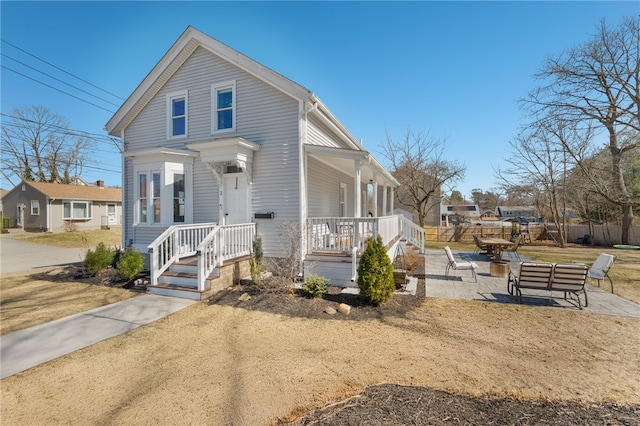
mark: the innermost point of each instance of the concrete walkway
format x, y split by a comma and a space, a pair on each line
27, 348
461, 285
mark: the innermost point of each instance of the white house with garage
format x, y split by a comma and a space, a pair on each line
219, 148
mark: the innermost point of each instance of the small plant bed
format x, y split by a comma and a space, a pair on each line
296, 302
79, 274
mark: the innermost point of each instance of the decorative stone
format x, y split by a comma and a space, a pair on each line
344, 309
244, 297
330, 311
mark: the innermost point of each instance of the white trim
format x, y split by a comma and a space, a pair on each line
215, 88
72, 203
170, 98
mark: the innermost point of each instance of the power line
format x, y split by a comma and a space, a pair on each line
6, 151
65, 130
61, 81
60, 69
54, 88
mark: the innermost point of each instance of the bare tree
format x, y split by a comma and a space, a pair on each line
37, 145
417, 162
598, 82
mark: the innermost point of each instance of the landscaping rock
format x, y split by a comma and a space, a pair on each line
344, 309
244, 297
330, 310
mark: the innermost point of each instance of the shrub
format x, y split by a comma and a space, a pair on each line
130, 264
315, 285
375, 273
98, 260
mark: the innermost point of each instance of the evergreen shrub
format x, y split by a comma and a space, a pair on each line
315, 285
375, 273
130, 264
98, 260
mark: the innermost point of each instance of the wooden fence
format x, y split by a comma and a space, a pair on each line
603, 235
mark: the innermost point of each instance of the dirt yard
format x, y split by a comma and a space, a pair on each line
279, 359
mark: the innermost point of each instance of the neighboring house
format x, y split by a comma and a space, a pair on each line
52, 207
488, 214
457, 213
218, 147
528, 213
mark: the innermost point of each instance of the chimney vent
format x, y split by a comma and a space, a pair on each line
100, 184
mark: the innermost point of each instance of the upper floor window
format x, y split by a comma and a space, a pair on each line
224, 106
35, 207
177, 115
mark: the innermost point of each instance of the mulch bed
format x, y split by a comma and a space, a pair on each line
392, 404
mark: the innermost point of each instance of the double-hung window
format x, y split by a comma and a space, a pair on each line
223, 106
177, 115
35, 207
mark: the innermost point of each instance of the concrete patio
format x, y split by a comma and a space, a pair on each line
460, 285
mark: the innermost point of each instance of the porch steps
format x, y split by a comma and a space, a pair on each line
181, 279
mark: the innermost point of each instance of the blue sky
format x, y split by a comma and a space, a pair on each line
452, 69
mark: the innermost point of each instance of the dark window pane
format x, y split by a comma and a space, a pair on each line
225, 99
178, 127
178, 107
143, 186
156, 185
225, 119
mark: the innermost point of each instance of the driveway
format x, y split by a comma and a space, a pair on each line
18, 256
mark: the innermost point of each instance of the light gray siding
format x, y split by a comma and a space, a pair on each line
324, 189
264, 115
318, 134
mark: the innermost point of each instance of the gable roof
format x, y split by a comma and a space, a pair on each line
182, 49
76, 192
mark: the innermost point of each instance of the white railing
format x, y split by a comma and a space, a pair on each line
212, 243
412, 232
342, 234
175, 242
221, 244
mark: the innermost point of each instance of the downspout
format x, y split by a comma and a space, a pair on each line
122, 193
49, 207
303, 179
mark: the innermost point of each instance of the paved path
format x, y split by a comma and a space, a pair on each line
460, 285
27, 348
18, 256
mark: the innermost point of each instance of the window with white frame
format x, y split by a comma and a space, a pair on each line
163, 193
35, 207
342, 200
76, 210
177, 115
223, 97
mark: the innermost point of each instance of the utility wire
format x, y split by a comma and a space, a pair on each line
54, 88
60, 69
6, 151
61, 81
65, 130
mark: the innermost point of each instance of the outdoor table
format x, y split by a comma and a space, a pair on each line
495, 246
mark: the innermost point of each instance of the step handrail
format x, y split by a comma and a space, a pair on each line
412, 232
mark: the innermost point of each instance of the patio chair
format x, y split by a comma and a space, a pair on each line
480, 248
600, 268
459, 265
514, 248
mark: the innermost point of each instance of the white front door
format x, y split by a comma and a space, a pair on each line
237, 198
111, 214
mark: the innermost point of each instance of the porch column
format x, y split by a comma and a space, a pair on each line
357, 199
375, 196
391, 200
384, 201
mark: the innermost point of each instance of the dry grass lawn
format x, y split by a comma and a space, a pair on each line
213, 364
76, 239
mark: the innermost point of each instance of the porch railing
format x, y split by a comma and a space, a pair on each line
212, 243
342, 234
175, 242
221, 244
412, 232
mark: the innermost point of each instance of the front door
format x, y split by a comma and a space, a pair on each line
111, 214
20, 215
236, 207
